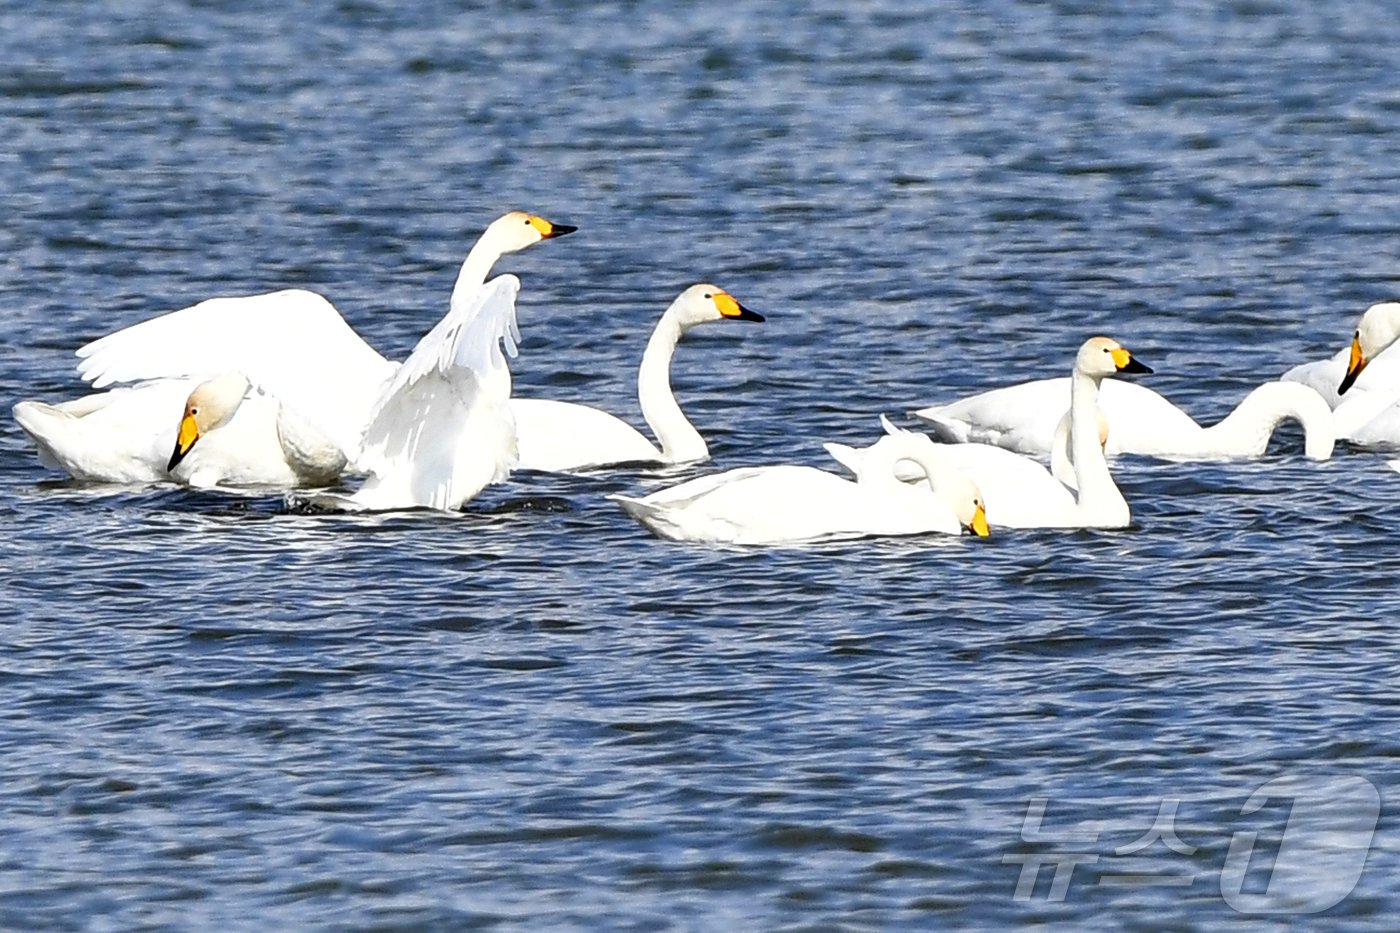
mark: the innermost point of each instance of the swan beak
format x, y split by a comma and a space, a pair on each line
189, 433
549, 231
1127, 363
1354, 366
979, 522
731, 309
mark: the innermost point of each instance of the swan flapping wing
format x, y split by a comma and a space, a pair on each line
292, 344
441, 430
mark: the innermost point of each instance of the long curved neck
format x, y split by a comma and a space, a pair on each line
477, 266
880, 463
1100, 504
1246, 430
679, 440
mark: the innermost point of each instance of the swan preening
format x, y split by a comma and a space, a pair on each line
788, 504
765, 505
1023, 418
1364, 407
561, 436
430, 432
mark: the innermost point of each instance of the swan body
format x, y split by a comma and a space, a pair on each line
1140, 421
1017, 491
562, 436
793, 504
428, 433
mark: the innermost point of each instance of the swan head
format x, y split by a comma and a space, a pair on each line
1378, 328
968, 505
1104, 356
700, 304
210, 405
519, 229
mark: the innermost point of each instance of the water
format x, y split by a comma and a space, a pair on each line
217, 712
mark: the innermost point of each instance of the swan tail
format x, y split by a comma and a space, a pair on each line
947, 430
844, 454
45, 424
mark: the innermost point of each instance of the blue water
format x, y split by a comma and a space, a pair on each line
221, 713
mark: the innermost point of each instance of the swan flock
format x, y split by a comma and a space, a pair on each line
277, 391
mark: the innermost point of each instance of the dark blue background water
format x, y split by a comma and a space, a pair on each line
214, 712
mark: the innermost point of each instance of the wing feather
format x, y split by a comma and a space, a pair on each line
442, 430
292, 344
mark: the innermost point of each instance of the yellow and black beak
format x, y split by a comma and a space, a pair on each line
732, 310
1127, 363
184, 441
547, 230
979, 522
1355, 365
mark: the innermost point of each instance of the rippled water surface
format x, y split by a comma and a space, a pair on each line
219, 712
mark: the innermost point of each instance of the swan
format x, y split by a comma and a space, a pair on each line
793, 504
430, 432
1364, 411
561, 436
1140, 421
1017, 491
303, 457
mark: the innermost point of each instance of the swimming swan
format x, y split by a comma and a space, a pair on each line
1140, 421
562, 436
792, 504
430, 432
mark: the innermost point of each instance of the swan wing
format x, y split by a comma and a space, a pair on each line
1019, 417
292, 344
442, 430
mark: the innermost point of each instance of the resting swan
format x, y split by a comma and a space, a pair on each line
794, 504
1364, 410
1140, 421
559, 436
1017, 491
430, 432
304, 456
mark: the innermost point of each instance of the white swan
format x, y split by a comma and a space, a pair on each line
302, 457
559, 436
1364, 411
1140, 421
430, 433
792, 504
1017, 491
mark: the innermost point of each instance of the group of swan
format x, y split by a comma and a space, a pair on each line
963, 486
429, 432
277, 390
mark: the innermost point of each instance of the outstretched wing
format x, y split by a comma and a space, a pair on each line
442, 430
292, 344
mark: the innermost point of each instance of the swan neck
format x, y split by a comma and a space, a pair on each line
1246, 431
476, 267
679, 440
1099, 501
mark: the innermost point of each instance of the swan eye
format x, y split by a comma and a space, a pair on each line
194, 411
708, 295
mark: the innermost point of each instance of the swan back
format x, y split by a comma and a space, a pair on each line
953, 489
